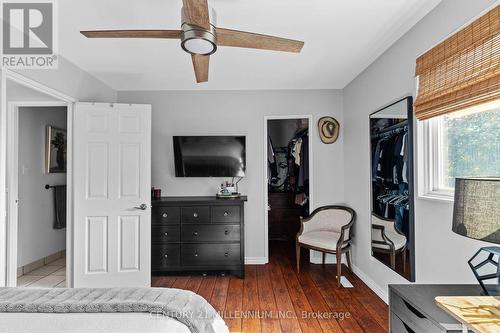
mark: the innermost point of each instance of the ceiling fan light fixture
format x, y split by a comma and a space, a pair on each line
198, 41
199, 46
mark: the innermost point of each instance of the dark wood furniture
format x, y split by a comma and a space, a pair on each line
283, 216
199, 234
413, 308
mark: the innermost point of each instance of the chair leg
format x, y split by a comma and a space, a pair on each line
339, 267
348, 257
324, 256
297, 254
393, 260
404, 260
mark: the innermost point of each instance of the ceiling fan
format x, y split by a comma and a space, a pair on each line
200, 37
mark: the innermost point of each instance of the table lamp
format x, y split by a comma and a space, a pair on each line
476, 214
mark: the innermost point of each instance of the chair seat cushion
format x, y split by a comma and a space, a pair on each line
322, 239
398, 240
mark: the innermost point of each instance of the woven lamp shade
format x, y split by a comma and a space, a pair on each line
476, 213
462, 71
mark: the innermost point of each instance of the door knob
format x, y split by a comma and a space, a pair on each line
142, 207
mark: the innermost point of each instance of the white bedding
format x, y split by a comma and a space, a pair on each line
94, 322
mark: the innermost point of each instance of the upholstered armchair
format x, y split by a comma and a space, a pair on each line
328, 230
386, 238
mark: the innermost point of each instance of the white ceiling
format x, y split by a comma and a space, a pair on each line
342, 37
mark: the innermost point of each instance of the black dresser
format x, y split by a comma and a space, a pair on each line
197, 234
413, 310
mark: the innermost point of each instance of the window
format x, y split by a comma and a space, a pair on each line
458, 105
460, 144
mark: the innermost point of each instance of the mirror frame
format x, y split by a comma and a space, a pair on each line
411, 184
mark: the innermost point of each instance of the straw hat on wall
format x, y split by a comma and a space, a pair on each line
329, 129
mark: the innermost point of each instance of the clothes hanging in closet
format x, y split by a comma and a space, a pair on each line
300, 166
296, 167
390, 174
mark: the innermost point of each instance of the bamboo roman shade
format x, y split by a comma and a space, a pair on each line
462, 71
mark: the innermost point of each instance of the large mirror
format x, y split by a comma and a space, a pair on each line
392, 208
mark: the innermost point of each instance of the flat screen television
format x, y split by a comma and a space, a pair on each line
209, 156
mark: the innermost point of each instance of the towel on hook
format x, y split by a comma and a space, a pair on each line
60, 206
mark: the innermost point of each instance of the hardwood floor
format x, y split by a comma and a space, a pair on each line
274, 298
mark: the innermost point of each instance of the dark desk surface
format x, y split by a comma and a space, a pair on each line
422, 296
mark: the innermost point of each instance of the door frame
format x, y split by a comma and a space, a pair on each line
9, 163
311, 127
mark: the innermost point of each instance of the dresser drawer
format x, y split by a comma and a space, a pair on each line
412, 317
210, 254
397, 325
165, 215
163, 256
165, 234
226, 214
210, 233
195, 214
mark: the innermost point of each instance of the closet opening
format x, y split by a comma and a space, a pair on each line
288, 179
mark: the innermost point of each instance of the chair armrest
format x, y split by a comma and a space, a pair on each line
306, 224
383, 236
346, 234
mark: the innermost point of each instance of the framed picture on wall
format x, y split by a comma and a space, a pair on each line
55, 150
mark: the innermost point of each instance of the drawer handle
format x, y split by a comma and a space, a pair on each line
413, 310
195, 233
164, 215
195, 215
166, 255
226, 254
408, 329
166, 234
226, 232
226, 213
196, 254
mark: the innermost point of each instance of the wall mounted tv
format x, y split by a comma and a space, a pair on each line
210, 156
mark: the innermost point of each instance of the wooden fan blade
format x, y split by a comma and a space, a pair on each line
235, 38
196, 13
200, 64
174, 34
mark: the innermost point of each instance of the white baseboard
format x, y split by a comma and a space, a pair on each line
330, 259
371, 284
255, 261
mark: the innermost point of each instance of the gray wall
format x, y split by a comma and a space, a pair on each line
240, 113
17, 92
36, 237
441, 256
72, 81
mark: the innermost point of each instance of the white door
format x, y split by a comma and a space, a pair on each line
112, 195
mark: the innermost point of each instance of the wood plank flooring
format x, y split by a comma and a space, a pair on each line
274, 298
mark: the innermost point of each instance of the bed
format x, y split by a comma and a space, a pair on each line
124, 310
